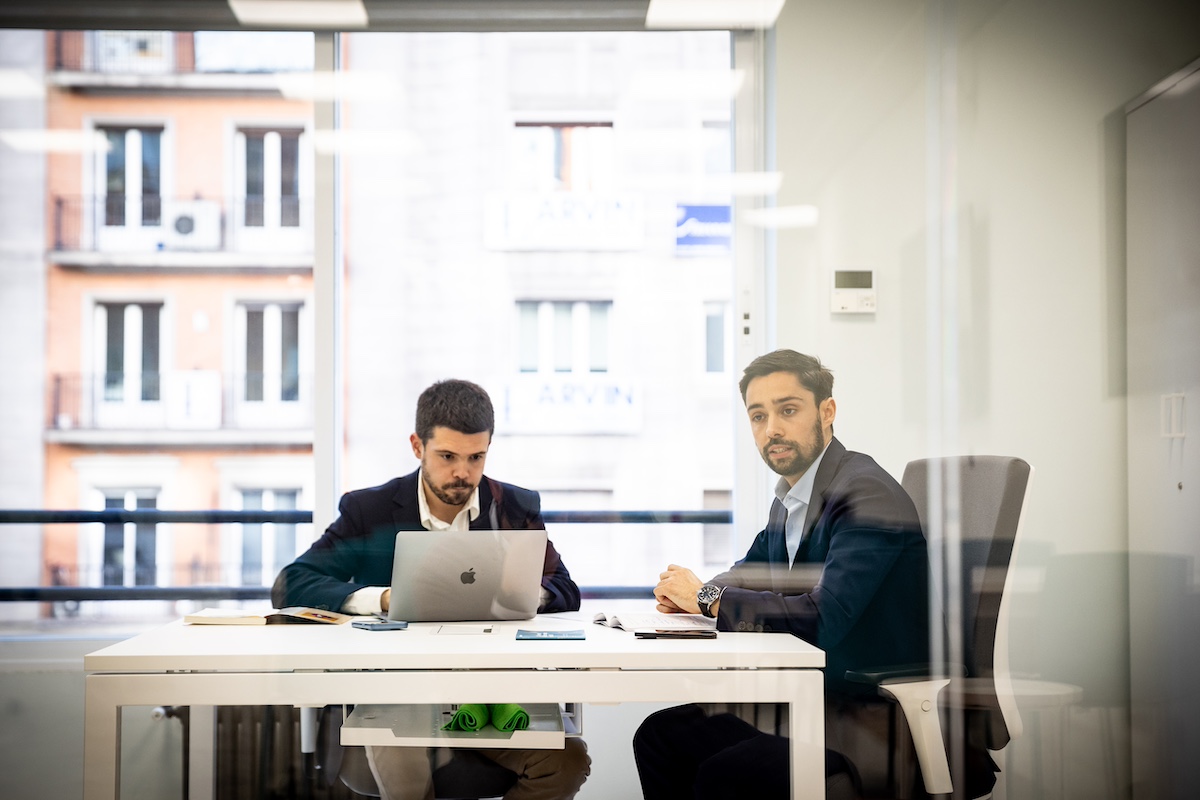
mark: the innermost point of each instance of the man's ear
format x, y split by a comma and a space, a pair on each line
417, 446
828, 411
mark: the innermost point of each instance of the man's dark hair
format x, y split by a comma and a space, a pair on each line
459, 405
812, 375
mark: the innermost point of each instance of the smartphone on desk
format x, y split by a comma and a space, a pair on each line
676, 633
379, 624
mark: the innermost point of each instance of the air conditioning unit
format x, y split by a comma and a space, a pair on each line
192, 225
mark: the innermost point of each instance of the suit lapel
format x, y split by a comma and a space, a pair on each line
406, 512
830, 465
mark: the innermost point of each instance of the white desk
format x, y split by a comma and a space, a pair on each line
318, 665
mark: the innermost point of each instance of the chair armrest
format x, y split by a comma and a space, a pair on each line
878, 676
916, 687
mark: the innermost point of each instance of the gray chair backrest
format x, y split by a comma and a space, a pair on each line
970, 509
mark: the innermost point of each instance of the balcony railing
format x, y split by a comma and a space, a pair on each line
171, 54
65, 588
122, 224
180, 400
123, 52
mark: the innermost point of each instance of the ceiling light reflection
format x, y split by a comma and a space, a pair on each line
323, 86
16, 84
365, 142
803, 216
712, 14
687, 84
54, 141
300, 13
736, 184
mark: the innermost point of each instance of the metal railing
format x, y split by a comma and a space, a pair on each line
123, 52
179, 400
152, 223
64, 594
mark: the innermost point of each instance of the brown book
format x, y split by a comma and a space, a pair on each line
283, 616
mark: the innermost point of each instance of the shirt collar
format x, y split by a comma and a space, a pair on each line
462, 520
802, 491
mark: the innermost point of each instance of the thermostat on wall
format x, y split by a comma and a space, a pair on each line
853, 291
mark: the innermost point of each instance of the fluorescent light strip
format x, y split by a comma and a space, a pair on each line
300, 13
371, 86
15, 83
782, 217
54, 141
712, 14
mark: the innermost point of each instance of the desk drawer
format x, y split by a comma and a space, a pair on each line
421, 726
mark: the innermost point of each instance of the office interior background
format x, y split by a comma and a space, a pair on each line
602, 225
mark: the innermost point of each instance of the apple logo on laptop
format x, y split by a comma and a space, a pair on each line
468, 576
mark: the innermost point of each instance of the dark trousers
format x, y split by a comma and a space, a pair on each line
683, 752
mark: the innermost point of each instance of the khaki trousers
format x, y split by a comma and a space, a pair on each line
406, 773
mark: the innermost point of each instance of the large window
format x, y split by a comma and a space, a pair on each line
271, 356
563, 336
270, 170
562, 156
266, 547
132, 176
716, 337
125, 209
130, 555
129, 344
521, 231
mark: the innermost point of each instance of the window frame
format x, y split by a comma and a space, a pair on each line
271, 236
129, 412
278, 473
96, 233
269, 413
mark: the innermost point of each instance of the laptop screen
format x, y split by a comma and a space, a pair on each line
459, 576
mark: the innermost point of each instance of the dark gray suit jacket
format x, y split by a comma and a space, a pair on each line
870, 605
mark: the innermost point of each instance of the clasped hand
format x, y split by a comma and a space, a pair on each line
676, 591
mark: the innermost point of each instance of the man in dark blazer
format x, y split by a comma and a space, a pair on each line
835, 510
355, 553
349, 569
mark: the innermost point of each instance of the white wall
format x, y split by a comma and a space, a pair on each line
22, 324
1028, 141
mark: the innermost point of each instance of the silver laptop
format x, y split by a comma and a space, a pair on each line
458, 576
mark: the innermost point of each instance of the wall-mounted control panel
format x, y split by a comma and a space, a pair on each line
853, 291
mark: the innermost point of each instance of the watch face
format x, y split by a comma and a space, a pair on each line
708, 593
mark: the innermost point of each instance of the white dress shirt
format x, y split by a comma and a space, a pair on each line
796, 499
369, 599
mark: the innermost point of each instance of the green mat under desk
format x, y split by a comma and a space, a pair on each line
421, 726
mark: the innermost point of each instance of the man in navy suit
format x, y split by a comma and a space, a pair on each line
835, 509
349, 569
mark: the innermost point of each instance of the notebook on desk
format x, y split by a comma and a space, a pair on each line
460, 576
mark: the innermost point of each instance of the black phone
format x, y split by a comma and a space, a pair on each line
677, 633
379, 624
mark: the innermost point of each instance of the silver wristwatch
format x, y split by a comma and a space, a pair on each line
706, 596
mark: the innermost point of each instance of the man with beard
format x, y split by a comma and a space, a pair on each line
349, 569
836, 511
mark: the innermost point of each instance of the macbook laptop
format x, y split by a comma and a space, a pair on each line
459, 576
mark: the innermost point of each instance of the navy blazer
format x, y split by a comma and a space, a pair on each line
870, 605
357, 548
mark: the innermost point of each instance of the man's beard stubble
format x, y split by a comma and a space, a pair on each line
461, 491
803, 459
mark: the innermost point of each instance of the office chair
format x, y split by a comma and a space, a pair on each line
985, 496
468, 776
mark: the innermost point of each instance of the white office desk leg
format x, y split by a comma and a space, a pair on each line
202, 753
101, 740
806, 733
308, 729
